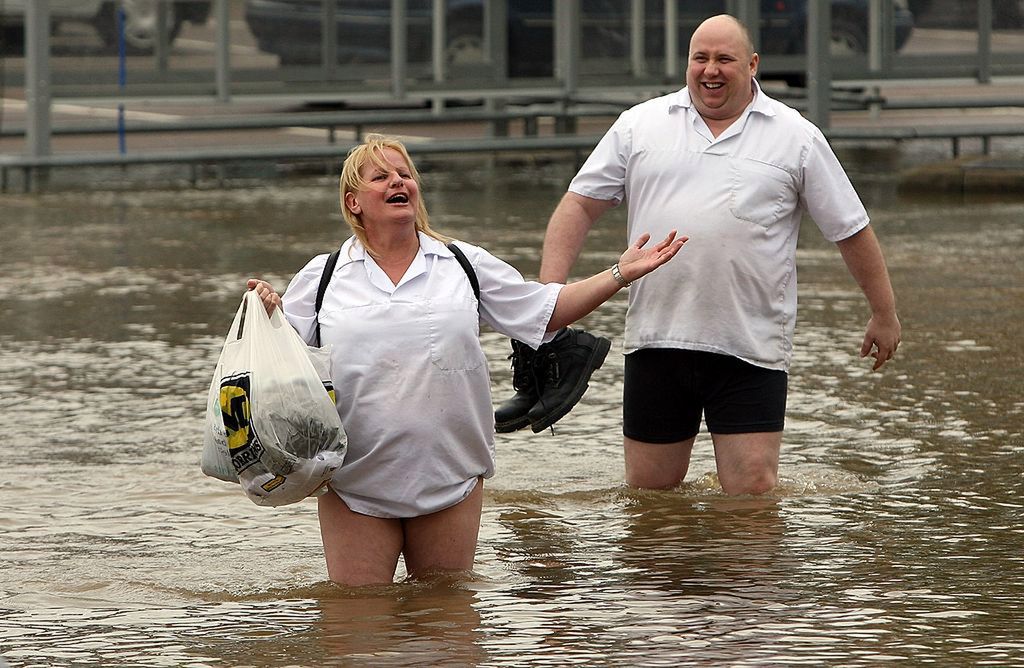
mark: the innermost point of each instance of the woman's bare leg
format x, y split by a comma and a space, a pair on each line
445, 540
359, 549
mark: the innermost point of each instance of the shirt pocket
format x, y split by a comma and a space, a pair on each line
455, 334
758, 192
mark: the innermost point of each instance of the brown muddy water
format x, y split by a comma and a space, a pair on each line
896, 533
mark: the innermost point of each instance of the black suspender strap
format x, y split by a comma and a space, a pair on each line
466, 267
332, 261
325, 278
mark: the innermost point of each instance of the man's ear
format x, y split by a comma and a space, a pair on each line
754, 60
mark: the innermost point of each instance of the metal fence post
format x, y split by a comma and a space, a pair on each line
438, 40
567, 45
881, 35
399, 33
496, 31
637, 41
497, 39
329, 38
567, 58
161, 45
984, 41
749, 14
876, 45
819, 64
122, 79
37, 78
671, 41
223, 51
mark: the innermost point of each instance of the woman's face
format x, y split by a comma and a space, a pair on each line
391, 194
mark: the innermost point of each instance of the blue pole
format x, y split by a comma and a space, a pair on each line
122, 78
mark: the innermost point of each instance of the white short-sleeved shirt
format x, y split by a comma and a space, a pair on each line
740, 198
412, 384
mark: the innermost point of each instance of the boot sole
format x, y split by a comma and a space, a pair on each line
511, 425
595, 362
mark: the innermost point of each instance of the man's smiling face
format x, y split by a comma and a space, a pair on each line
721, 66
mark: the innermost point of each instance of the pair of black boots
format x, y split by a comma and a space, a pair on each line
549, 381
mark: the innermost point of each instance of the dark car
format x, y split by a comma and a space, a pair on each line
963, 14
291, 29
139, 17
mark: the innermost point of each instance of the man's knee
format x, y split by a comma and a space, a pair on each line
656, 465
755, 482
747, 463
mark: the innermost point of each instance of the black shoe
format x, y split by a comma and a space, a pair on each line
567, 361
511, 415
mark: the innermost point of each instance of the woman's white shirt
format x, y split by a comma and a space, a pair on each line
412, 384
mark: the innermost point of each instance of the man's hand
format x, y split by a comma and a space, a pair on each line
881, 339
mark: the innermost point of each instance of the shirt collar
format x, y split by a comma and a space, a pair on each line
760, 104
432, 246
354, 251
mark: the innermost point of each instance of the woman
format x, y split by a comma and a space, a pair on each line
411, 378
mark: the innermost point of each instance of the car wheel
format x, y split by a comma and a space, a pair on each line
848, 38
140, 23
465, 47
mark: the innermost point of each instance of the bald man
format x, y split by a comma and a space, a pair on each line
712, 336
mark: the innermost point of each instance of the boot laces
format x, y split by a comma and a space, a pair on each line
551, 370
522, 369
547, 373
528, 368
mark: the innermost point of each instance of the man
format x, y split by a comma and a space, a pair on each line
732, 169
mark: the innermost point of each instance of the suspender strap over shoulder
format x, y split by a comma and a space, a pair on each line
466, 267
325, 278
332, 262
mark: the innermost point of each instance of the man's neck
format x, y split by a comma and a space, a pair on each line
720, 125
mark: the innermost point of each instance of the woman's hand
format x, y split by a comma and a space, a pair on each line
580, 298
265, 292
638, 261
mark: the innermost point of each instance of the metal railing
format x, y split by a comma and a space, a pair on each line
223, 64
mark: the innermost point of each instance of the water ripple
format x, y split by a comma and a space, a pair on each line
894, 534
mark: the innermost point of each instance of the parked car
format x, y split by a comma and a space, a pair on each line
292, 29
963, 14
140, 19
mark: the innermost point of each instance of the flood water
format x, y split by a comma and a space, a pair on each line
895, 534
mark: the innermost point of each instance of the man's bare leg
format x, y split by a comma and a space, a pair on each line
747, 463
657, 465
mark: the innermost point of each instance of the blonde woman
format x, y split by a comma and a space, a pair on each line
411, 378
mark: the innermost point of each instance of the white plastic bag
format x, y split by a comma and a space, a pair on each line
271, 422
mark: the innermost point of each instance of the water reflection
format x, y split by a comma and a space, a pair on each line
894, 534
717, 549
432, 623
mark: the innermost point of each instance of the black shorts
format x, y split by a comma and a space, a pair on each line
666, 390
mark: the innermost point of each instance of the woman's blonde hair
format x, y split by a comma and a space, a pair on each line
371, 152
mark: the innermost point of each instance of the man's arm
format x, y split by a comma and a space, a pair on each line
863, 257
566, 231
